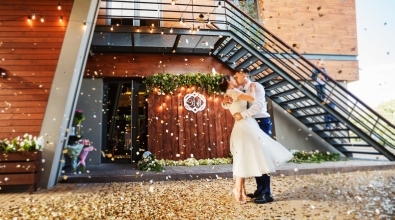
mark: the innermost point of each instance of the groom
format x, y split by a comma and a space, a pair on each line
258, 110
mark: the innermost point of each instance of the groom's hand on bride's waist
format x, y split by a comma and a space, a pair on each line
237, 116
227, 100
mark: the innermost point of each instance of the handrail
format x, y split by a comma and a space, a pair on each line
307, 61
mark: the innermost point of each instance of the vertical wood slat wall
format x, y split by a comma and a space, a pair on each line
29, 53
176, 135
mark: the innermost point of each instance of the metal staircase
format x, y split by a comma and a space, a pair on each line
241, 42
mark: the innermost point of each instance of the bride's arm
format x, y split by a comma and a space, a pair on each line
246, 97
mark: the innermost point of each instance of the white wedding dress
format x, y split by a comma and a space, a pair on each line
254, 152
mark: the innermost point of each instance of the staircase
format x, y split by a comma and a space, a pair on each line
285, 74
287, 78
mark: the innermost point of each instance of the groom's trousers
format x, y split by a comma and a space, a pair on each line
263, 182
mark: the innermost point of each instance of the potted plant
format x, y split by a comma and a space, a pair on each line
20, 161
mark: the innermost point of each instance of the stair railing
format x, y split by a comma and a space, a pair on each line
269, 45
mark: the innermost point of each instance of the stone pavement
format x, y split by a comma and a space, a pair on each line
111, 172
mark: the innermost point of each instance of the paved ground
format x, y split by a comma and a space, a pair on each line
353, 195
112, 172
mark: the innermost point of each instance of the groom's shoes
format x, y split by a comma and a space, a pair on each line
264, 199
254, 195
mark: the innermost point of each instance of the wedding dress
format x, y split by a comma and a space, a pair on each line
254, 152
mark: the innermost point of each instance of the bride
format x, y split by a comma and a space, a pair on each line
254, 152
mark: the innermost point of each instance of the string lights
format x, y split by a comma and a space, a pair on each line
61, 19
59, 6
42, 19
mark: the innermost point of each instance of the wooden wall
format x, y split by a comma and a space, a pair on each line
316, 27
172, 129
128, 65
176, 133
29, 53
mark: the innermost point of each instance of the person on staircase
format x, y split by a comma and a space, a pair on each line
320, 79
328, 118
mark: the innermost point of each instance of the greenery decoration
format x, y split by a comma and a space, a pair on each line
313, 157
149, 163
22, 144
167, 83
194, 162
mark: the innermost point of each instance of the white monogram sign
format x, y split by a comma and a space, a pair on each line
194, 102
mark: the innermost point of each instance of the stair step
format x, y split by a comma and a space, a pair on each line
303, 108
351, 145
267, 78
277, 85
304, 98
236, 56
248, 62
228, 47
288, 92
329, 130
261, 68
361, 152
312, 115
318, 122
217, 44
357, 149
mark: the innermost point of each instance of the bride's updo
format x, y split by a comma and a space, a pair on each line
224, 83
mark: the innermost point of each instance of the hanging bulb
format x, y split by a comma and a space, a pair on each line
198, 28
61, 19
208, 21
173, 2
190, 30
171, 29
201, 16
219, 4
152, 25
59, 6
138, 29
33, 15
42, 19
181, 21
112, 27
28, 18
150, 30
161, 32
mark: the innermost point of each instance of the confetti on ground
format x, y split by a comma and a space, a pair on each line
357, 195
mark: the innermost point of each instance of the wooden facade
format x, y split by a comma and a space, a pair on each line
318, 27
29, 53
174, 132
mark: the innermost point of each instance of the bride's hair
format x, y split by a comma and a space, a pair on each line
224, 83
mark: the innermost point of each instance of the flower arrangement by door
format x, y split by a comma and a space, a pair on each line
78, 118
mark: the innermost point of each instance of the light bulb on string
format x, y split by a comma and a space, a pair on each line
28, 18
59, 6
61, 19
161, 32
173, 2
112, 27
181, 21
208, 21
150, 30
138, 29
171, 29
219, 4
42, 19
33, 15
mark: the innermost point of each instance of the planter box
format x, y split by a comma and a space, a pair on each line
20, 168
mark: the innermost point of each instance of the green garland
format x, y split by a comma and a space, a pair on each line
169, 83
